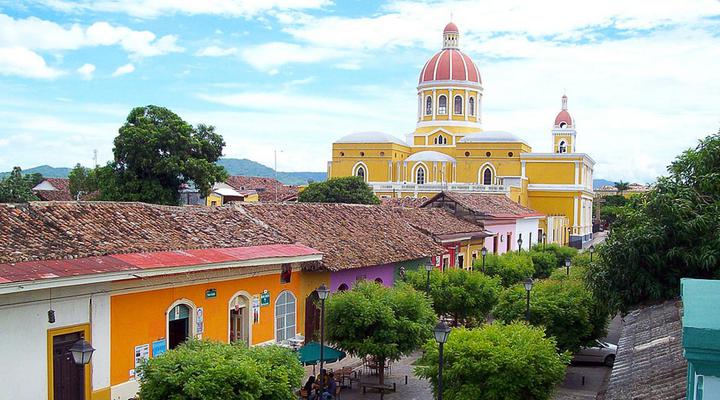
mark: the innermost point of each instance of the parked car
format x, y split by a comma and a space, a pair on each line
601, 352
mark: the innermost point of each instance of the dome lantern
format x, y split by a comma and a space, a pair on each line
451, 36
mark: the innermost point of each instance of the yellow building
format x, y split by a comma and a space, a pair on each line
449, 150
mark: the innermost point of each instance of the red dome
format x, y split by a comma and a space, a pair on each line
451, 28
450, 64
563, 116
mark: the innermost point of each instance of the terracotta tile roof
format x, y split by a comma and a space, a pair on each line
488, 204
53, 195
265, 187
349, 235
650, 362
62, 230
61, 184
437, 222
412, 202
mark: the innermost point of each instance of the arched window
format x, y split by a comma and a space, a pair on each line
343, 287
439, 139
487, 176
563, 124
563, 147
285, 317
379, 280
420, 176
428, 106
442, 105
179, 325
360, 172
444, 140
457, 107
471, 106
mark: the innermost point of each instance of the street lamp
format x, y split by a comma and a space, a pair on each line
591, 249
520, 242
528, 287
544, 240
428, 267
442, 331
483, 251
323, 293
82, 352
568, 261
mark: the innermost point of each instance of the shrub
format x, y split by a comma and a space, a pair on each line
467, 296
560, 252
207, 370
496, 362
544, 262
510, 267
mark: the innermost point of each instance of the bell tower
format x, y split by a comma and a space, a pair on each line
564, 132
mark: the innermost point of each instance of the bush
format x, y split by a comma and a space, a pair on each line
465, 295
207, 370
563, 306
349, 189
496, 362
581, 259
544, 262
510, 267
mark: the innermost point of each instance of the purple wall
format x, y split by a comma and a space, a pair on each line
501, 230
348, 277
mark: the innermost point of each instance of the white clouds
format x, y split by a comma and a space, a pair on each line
25, 63
215, 51
86, 71
270, 56
124, 70
156, 8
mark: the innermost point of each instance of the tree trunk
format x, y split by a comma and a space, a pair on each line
381, 370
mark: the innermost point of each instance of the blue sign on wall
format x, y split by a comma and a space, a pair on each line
159, 347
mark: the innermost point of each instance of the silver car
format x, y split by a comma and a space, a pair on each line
602, 352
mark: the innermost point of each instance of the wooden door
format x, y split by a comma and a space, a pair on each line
68, 377
312, 318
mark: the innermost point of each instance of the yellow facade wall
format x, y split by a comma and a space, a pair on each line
551, 172
213, 200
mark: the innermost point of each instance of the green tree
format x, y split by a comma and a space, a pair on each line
614, 201
496, 362
621, 187
544, 262
207, 370
373, 320
566, 309
668, 233
464, 295
17, 188
82, 180
560, 252
511, 267
155, 152
350, 189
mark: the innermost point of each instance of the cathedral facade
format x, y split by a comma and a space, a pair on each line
450, 151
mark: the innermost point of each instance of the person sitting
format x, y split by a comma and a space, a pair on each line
309, 387
330, 388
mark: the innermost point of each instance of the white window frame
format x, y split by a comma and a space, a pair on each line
471, 106
442, 110
455, 103
428, 105
275, 316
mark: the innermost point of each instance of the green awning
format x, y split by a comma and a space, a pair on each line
310, 354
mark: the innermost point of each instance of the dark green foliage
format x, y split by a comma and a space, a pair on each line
563, 306
560, 252
511, 267
155, 153
44, 171
622, 186
666, 234
206, 370
82, 180
544, 262
496, 362
610, 213
614, 201
350, 189
17, 187
464, 295
374, 320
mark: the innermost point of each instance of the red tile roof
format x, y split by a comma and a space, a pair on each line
64, 230
265, 187
487, 204
349, 235
61, 184
48, 269
413, 202
53, 195
436, 222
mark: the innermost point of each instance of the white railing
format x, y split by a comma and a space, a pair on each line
436, 187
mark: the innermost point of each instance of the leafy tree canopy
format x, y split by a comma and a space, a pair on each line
622, 186
350, 189
17, 187
206, 370
511, 267
496, 362
155, 153
544, 262
82, 180
464, 295
373, 320
668, 233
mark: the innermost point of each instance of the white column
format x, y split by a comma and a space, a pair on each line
434, 107
465, 103
577, 172
522, 166
389, 178
575, 211
454, 172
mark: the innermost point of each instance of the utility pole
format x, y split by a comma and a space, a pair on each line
95, 158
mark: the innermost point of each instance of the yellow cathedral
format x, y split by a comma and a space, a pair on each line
449, 151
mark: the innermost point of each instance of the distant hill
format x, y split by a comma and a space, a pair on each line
234, 166
45, 170
597, 183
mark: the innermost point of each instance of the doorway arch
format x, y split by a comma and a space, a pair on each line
239, 318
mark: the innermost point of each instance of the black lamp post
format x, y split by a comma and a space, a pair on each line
568, 261
520, 242
544, 239
82, 352
323, 293
428, 267
591, 249
528, 287
442, 331
483, 252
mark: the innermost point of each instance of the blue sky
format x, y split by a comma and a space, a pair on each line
642, 77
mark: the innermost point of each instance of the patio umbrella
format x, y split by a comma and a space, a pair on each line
310, 354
